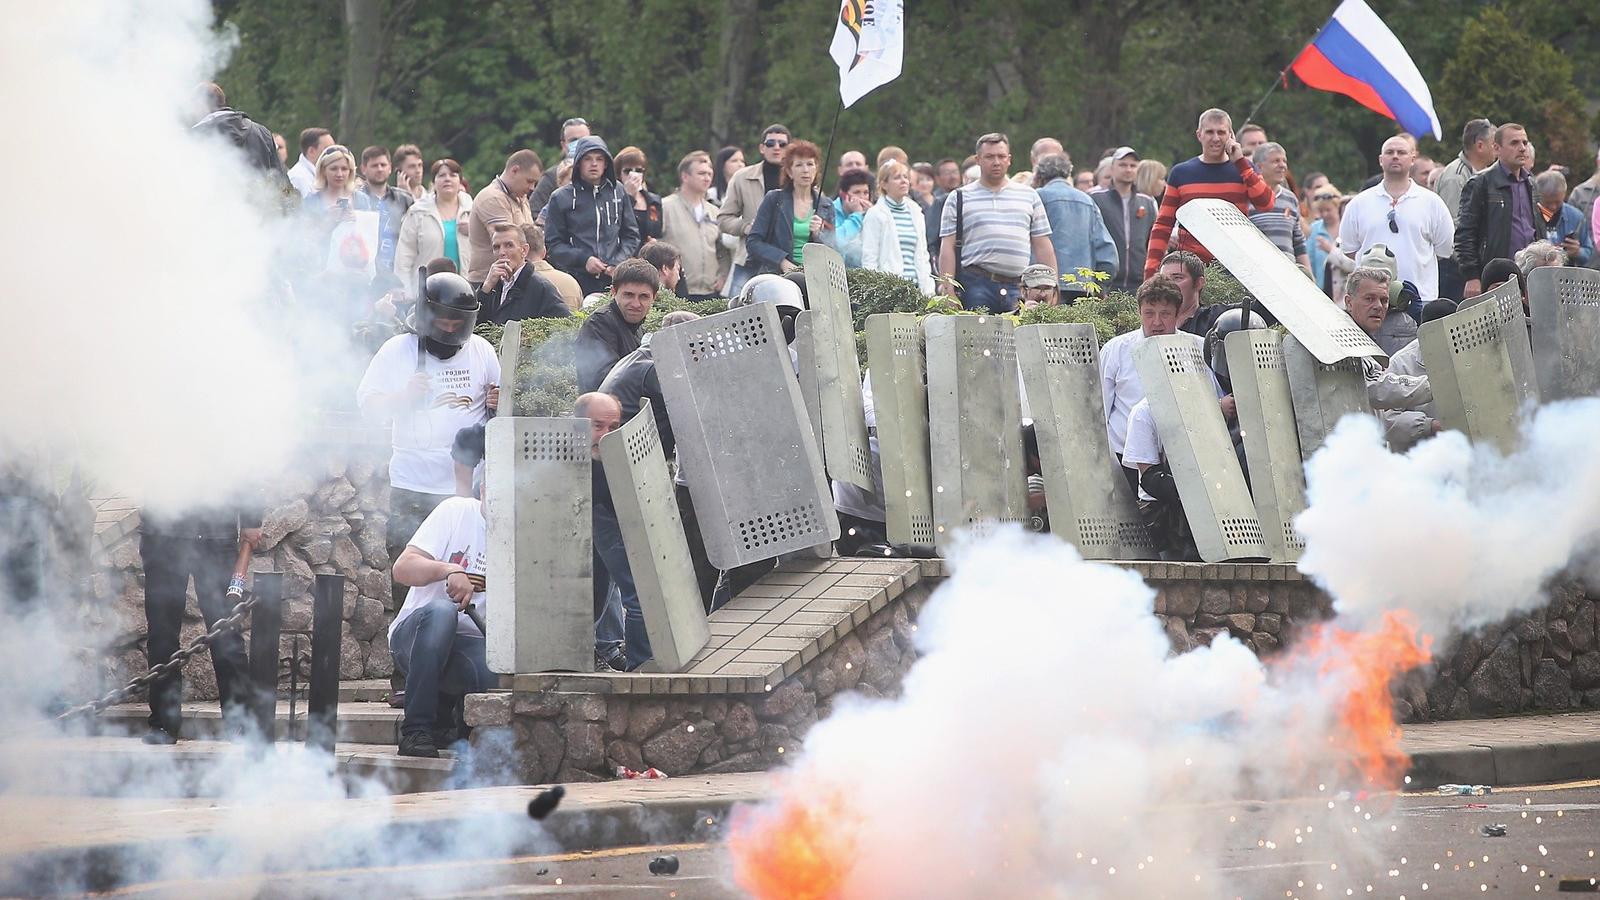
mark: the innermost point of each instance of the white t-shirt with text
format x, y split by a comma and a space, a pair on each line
457, 398
455, 532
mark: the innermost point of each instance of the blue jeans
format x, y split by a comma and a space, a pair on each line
978, 291
736, 279
610, 625
436, 660
611, 561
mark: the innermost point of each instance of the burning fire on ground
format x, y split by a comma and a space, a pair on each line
797, 849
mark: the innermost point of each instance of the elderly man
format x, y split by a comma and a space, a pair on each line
1563, 223
1077, 230
1406, 427
1366, 299
1040, 287
611, 568
1281, 224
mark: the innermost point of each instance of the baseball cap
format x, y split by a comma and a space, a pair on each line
1039, 275
1120, 152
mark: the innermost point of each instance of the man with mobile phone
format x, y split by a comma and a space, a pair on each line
1222, 172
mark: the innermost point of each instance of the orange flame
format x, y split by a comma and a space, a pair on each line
1367, 661
795, 848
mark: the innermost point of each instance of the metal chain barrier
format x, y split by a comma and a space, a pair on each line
233, 621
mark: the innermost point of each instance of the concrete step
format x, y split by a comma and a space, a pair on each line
366, 690
359, 723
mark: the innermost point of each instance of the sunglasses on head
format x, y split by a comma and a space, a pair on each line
772, 142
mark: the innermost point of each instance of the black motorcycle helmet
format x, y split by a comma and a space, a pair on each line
447, 311
1215, 352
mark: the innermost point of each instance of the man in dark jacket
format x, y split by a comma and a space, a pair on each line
571, 130
612, 331
589, 223
200, 544
1499, 214
512, 289
253, 139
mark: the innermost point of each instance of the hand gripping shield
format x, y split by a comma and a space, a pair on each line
1195, 438
974, 424
1090, 502
1321, 327
896, 365
744, 442
1271, 441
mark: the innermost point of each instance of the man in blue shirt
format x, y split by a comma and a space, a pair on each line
1077, 230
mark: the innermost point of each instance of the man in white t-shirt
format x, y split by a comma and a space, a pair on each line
1120, 388
429, 385
434, 639
1406, 216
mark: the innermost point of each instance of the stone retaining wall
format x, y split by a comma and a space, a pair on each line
1547, 662
329, 518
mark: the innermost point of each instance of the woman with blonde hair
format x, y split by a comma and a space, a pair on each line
892, 237
1151, 178
335, 185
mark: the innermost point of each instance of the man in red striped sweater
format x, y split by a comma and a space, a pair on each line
1221, 171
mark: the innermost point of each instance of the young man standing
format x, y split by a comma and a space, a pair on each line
990, 231
505, 199
589, 223
743, 199
1407, 217
689, 222
1221, 172
391, 203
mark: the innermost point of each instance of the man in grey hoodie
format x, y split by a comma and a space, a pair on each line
589, 223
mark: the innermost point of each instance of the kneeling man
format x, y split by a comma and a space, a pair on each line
434, 640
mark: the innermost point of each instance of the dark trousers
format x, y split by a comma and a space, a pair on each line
169, 563
591, 284
407, 509
716, 588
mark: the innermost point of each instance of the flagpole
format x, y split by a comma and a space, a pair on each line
1283, 75
827, 154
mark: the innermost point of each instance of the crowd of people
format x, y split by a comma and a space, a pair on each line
589, 233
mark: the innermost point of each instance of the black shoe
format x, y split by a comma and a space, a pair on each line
419, 744
159, 736
615, 661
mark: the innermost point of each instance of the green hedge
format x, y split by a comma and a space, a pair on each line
546, 381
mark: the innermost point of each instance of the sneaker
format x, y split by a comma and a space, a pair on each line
612, 661
419, 744
159, 736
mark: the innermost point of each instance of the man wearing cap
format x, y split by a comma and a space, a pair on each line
1040, 287
1410, 219
1128, 216
1398, 328
1077, 230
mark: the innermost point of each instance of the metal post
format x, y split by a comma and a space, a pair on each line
266, 624
322, 702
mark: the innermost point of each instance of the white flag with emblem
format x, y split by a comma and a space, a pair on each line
868, 45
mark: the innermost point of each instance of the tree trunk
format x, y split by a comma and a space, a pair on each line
363, 60
738, 51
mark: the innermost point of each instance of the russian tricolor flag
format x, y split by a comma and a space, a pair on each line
1355, 54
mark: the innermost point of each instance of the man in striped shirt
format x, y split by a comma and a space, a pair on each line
990, 230
1221, 171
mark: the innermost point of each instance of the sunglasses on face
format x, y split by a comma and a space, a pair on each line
772, 143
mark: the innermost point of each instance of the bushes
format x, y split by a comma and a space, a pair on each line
879, 292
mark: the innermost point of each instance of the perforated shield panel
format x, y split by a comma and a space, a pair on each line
1469, 368
744, 445
805, 355
510, 353
1566, 331
537, 502
1322, 394
896, 366
1089, 500
652, 533
844, 432
974, 424
1324, 329
1216, 501
1271, 442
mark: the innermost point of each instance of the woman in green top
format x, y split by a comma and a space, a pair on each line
793, 215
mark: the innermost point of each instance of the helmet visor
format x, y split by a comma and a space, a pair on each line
446, 324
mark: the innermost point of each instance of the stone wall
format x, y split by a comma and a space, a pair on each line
330, 517
1548, 661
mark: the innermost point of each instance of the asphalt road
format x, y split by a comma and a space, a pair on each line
1414, 846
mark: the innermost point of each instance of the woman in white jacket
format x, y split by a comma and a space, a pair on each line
436, 225
892, 239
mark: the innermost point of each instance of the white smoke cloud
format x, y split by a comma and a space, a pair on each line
1456, 533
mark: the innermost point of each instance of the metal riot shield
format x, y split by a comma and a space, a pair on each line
540, 616
1322, 393
900, 406
744, 443
805, 356
510, 354
1271, 442
1323, 328
652, 533
1089, 500
1194, 437
1566, 331
1475, 386
844, 430
974, 424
